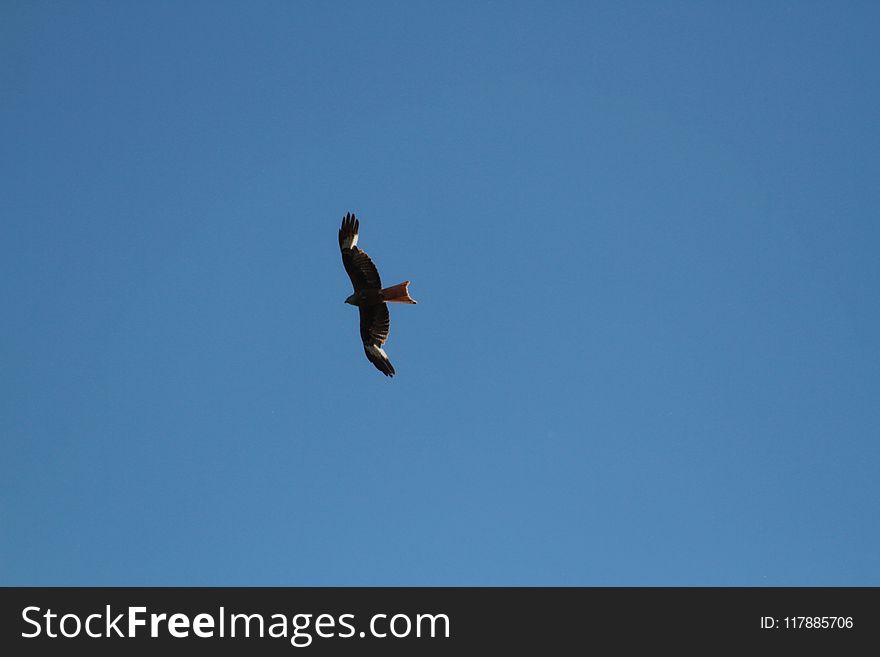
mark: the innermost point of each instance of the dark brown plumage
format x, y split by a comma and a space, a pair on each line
369, 296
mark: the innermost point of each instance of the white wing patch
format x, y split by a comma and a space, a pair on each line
350, 241
377, 351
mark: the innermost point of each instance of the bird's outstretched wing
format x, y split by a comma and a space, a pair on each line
360, 268
375, 326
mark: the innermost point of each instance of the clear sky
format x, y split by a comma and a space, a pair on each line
643, 237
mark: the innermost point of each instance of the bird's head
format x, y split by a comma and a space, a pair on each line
352, 300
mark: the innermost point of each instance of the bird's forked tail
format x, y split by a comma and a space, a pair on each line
398, 293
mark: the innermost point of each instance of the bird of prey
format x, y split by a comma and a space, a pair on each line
369, 296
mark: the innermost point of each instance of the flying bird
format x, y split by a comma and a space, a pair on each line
369, 296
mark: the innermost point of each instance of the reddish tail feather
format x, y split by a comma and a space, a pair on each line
398, 293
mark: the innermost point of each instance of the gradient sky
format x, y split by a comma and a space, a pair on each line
643, 237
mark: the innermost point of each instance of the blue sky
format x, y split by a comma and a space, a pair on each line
643, 237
